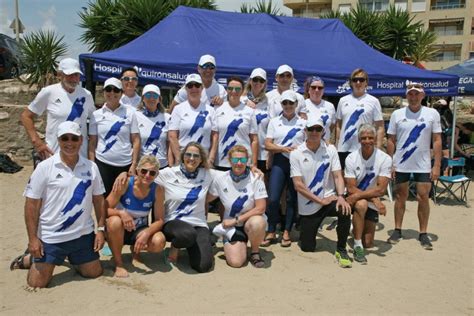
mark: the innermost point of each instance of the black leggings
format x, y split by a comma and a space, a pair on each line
309, 225
109, 173
195, 239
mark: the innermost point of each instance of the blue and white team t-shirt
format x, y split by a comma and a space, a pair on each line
154, 136
274, 103
234, 126
66, 206
316, 170
207, 94
366, 172
413, 132
185, 199
134, 101
325, 111
237, 197
193, 124
353, 112
62, 106
137, 208
286, 133
113, 130
261, 119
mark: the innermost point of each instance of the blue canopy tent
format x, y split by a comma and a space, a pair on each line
240, 42
465, 71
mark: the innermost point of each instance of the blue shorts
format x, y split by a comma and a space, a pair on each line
402, 177
78, 251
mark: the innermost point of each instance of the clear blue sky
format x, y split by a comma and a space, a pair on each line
61, 16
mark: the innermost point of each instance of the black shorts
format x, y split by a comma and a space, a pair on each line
262, 166
222, 168
402, 177
129, 238
342, 158
371, 215
239, 235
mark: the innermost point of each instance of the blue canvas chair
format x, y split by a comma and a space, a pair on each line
453, 186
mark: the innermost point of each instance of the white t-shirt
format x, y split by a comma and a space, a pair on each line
234, 126
113, 130
261, 119
154, 135
237, 197
206, 95
66, 208
286, 133
316, 169
354, 112
62, 106
193, 124
325, 111
133, 101
274, 103
367, 171
185, 199
413, 132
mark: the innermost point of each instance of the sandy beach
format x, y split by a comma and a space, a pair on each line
400, 279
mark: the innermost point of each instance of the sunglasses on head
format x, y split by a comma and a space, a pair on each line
316, 88
192, 155
235, 160
315, 128
258, 80
358, 79
236, 89
208, 66
287, 102
70, 138
150, 95
129, 79
152, 173
112, 88
193, 85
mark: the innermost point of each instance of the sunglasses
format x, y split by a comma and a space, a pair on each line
286, 102
111, 88
193, 85
192, 155
151, 95
316, 128
358, 79
71, 138
285, 74
235, 160
236, 89
316, 88
258, 80
152, 173
208, 66
129, 78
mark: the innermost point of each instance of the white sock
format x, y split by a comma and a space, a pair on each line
358, 243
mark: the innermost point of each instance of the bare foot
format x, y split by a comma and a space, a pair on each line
173, 254
120, 272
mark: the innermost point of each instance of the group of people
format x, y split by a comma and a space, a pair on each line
272, 160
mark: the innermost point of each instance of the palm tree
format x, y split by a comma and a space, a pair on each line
423, 49
261, 7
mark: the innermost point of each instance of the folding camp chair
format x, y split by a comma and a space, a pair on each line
452, 184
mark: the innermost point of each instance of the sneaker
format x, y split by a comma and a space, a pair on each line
359, 255
343, 259
425, 242
395, 237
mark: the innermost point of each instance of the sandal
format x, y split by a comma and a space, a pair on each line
268, 241
285, 242
256, 260
17, 263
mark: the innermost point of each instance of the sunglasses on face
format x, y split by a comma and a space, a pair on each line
192, 155
129, 78
358, 79
285, 75
258, 80
152, 173
111, 88
236, 89
235, 160
193, 85
316, 128
286, 102
70, 138
208, 66
316, 88
151, 95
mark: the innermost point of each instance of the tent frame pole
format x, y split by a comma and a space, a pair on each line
453, 132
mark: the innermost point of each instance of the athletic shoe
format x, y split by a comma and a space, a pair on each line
395, 237
343, 259
359, 255
425, 242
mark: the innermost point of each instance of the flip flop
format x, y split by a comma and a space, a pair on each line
268, 241
17, 263
285, 242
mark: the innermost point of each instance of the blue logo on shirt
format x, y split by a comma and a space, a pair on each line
290, 135
238, 205
352, 122
189, 200
198, 122
77, 109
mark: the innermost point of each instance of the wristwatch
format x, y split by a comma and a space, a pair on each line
237, 219
101, 228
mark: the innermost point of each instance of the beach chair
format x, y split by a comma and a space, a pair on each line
451, 185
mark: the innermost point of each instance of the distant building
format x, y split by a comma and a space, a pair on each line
451, 20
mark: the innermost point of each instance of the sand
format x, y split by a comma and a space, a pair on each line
400, 279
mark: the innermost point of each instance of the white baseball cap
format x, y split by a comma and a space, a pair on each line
314, 121
417, 86
259, 72
193, 78
69, 127
113, 82
284, 68
69, 66
289, 95
205, 59
151, 88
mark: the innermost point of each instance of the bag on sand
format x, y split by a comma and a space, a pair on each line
7, 165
